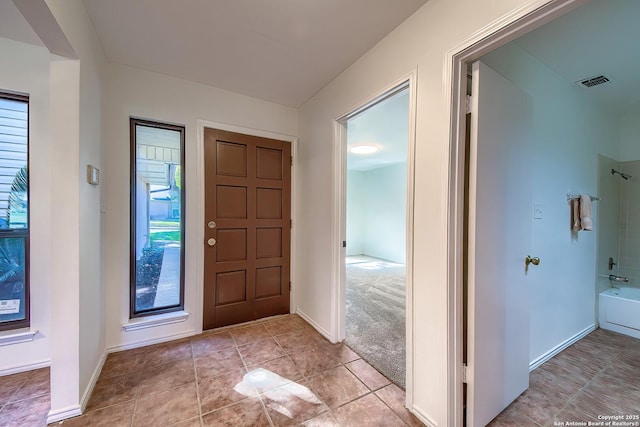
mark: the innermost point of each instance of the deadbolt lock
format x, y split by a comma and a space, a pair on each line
211, 224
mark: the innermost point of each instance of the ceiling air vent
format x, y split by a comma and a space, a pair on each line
593, 81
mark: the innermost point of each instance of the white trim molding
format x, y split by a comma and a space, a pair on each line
16, 369
138, 344
422, 416
317, 327
157, 320
17, 337
92, 383
63, 414
338, 269
563, 345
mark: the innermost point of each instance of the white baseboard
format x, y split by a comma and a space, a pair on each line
92, 383
16, 369
137, 344
557, 349
317, 327
422, 416
63, 414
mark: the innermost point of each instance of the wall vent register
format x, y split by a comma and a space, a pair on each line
593, 81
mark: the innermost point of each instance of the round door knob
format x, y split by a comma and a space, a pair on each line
211, 242
535, 260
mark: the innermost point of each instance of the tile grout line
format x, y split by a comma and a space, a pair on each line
287, 354
198, 387
304, 377
344, 364
369, 392
573, 397
135, 404
259, 395
195, 374
21, 386
15, 391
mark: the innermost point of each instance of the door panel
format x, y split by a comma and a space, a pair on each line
247, 227
500, 209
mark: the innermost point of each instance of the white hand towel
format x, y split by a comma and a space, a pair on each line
585, 212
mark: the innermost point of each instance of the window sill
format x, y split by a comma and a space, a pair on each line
12, 337
157, 320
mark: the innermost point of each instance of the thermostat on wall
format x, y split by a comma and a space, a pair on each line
93, 175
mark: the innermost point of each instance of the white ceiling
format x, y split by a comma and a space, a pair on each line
282, 51
286, 54
600, 38
384, 125
13, 25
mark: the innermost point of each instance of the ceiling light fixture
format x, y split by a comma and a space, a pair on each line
363, 149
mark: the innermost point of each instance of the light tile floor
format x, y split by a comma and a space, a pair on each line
597, 376
275, 372
24, 399
282, 372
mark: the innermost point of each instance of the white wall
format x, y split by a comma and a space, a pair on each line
65, 238
356, 212
376, 212
133, 92
81, 282
421, 42
568, 132
630, 135
28, 72
387, 207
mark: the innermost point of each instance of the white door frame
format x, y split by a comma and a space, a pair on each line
339, 217
200, 219
498, 33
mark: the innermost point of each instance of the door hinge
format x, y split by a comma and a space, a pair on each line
289, 286
291, 160
465, 370
290, 223
468, 103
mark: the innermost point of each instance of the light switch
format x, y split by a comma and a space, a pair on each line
93, 175
538, 211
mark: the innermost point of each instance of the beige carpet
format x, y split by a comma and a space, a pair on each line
375, 314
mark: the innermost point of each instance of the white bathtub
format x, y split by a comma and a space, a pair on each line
620, 310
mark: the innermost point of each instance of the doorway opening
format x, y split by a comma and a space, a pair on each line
375, 257
571, 130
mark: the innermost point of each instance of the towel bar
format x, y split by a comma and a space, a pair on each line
571, 197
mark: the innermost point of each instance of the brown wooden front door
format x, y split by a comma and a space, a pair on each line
247, 227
